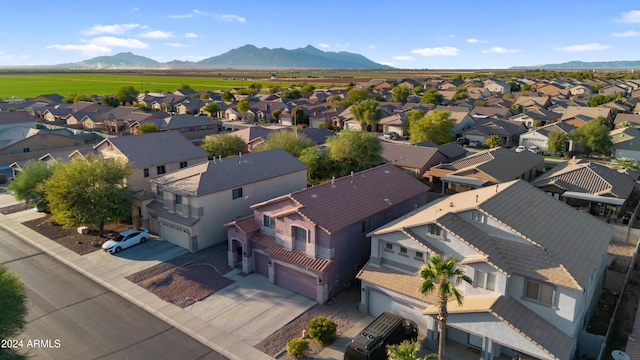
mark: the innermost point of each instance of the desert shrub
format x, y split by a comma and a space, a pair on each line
322, 329
297, 347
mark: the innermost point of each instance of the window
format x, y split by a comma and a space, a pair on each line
419, 255
146, 172
236, 193
183, 164
192, 129
403, 251
388, 246
366, 225
268, 222
434, 229
25, 150
540, 292
477, 216
178, 200
299, 234
159, 190
485, 280
160, 169
203, 127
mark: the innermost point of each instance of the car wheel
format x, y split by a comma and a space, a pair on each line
143, 240
118, 249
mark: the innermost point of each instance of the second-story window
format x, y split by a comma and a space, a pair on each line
159, 191
183, 164
388, 246
161, 170
178, 200
268, 222
477, 216
365, 225
300, 238
146, 172
485, 280
540, 292
435, 230
236, 193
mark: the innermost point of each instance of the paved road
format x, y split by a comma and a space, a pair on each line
70, 311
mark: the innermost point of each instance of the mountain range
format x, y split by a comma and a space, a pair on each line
577, 65
247, 56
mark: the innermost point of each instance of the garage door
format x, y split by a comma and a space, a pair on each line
261, 263
296, 281
380, 302
176, 235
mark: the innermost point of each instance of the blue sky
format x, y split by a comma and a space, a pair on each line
412, 34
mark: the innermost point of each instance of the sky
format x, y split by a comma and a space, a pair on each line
411, 34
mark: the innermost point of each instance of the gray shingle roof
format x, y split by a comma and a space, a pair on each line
230, 172
411, 156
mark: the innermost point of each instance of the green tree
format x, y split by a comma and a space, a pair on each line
298, 117
13, 304
353, 150
291, 94
417, 90
356, 95
514, 86
461, 94
275, 114
594, 135
435, 126
110, 100
624, 124
147, 127
442, 275
406, 350
600, 99
74, 98
89, 191
228, 96
493, 140
400, 94
291, 141
223, 145
557, 141
479, 103
127, 94
526, 87
212, 109
26, 186
243, 106
432, 96
367, 113
625, 164
307, 88
320, 167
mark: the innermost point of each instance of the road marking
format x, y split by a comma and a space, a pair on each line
22, 258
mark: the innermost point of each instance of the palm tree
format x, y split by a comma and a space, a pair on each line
406, 350
625, 164
442, 275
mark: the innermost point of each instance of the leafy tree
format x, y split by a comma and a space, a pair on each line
143, 107
74, 98
307, 88
493, 140
596, 87
127, 94
557, 141
291, 94
625, 164
514, 86
223, 145
110, 100
212, 109
228, 96
275, 114
600, 99
13, 304
432, 96
353, 150
291, 141
320, 167
26, 186
624, 124
89, 191
594, 135
356, 95
367, 113
526, 87
418, 90
442, 275
461, 94
406, 350
185, 86
435, 126
479, 103
244, 106
147, 127
400, 94
298, 117
322, 329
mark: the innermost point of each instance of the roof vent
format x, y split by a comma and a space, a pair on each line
387, 171
314, 195
333, 182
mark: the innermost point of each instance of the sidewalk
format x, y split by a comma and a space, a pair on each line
230, 321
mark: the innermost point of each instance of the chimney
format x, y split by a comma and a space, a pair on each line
220, 158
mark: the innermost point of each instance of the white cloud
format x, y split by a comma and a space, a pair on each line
192, 58
181, 16
196, 11
629, 33
88, 49
324, 46
402, 57
632, 16
177, 45
500, 50
385, 63
191, 35
156, 34
231, 17
115, 29
583, 47
476, 41
437, 51
371, 46
343, 46
111, 41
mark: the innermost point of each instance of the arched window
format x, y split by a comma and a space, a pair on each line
300, 238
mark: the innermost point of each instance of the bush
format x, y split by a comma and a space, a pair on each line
297, 347
322, 329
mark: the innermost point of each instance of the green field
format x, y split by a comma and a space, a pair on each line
32, 85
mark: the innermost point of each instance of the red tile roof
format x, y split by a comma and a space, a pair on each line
295, 257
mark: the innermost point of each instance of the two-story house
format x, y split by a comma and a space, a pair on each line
536, 280
313, 241
192, 205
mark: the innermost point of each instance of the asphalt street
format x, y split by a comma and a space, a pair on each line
72, 317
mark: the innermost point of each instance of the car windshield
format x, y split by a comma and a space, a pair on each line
119, 238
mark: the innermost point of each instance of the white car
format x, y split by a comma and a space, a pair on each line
125, 239
534, 149
521, 148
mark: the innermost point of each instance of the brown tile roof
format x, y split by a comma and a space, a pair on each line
296, 257
410, 156
246, 225
587, 177
400, 282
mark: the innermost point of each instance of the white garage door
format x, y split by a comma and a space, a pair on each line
176, 235
380, 302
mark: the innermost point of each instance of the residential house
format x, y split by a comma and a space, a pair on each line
613, 90
634, 119
395, 123
192, 205
508, 131
532, 117
190, 106
481, 112
535, 280
626, 143
485, 168
593, 187
9, 119
25, 143
578, 115
313, 241
497, 87
253, 136
415, 160
540, 136
194, 128
524, 102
